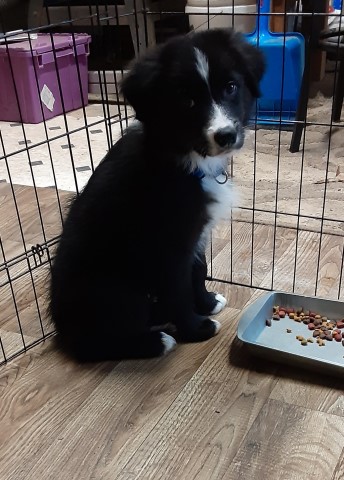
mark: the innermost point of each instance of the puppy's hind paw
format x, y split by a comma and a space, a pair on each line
217, 326
220, 305
169, 343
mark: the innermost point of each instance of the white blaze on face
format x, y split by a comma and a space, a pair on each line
202, 64
218, 120
218, 117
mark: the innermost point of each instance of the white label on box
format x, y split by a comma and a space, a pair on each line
47, 98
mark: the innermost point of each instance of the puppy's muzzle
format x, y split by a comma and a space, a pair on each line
226, 137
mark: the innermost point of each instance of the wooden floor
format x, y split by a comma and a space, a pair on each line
207, 411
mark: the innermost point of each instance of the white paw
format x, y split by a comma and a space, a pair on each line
221, 303
217, 326
169, 343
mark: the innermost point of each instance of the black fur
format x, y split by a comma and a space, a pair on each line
131, 236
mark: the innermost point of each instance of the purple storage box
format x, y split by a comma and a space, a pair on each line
32, 93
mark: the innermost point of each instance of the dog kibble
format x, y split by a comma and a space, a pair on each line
322, 328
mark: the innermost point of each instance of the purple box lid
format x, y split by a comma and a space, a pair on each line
44, 44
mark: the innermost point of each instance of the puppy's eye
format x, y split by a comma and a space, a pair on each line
231, 87
185, 98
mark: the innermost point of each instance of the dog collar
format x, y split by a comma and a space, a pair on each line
198, 173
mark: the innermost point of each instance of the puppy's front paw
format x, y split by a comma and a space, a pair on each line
169, 343
221, 302
205, 329
211, 304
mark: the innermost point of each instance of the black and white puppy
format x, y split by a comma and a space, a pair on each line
132, 251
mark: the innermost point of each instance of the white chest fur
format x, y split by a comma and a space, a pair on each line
224, 198
222, 194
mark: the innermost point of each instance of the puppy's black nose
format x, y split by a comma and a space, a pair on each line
225, 137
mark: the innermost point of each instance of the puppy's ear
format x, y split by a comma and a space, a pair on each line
253, 62
140, 85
